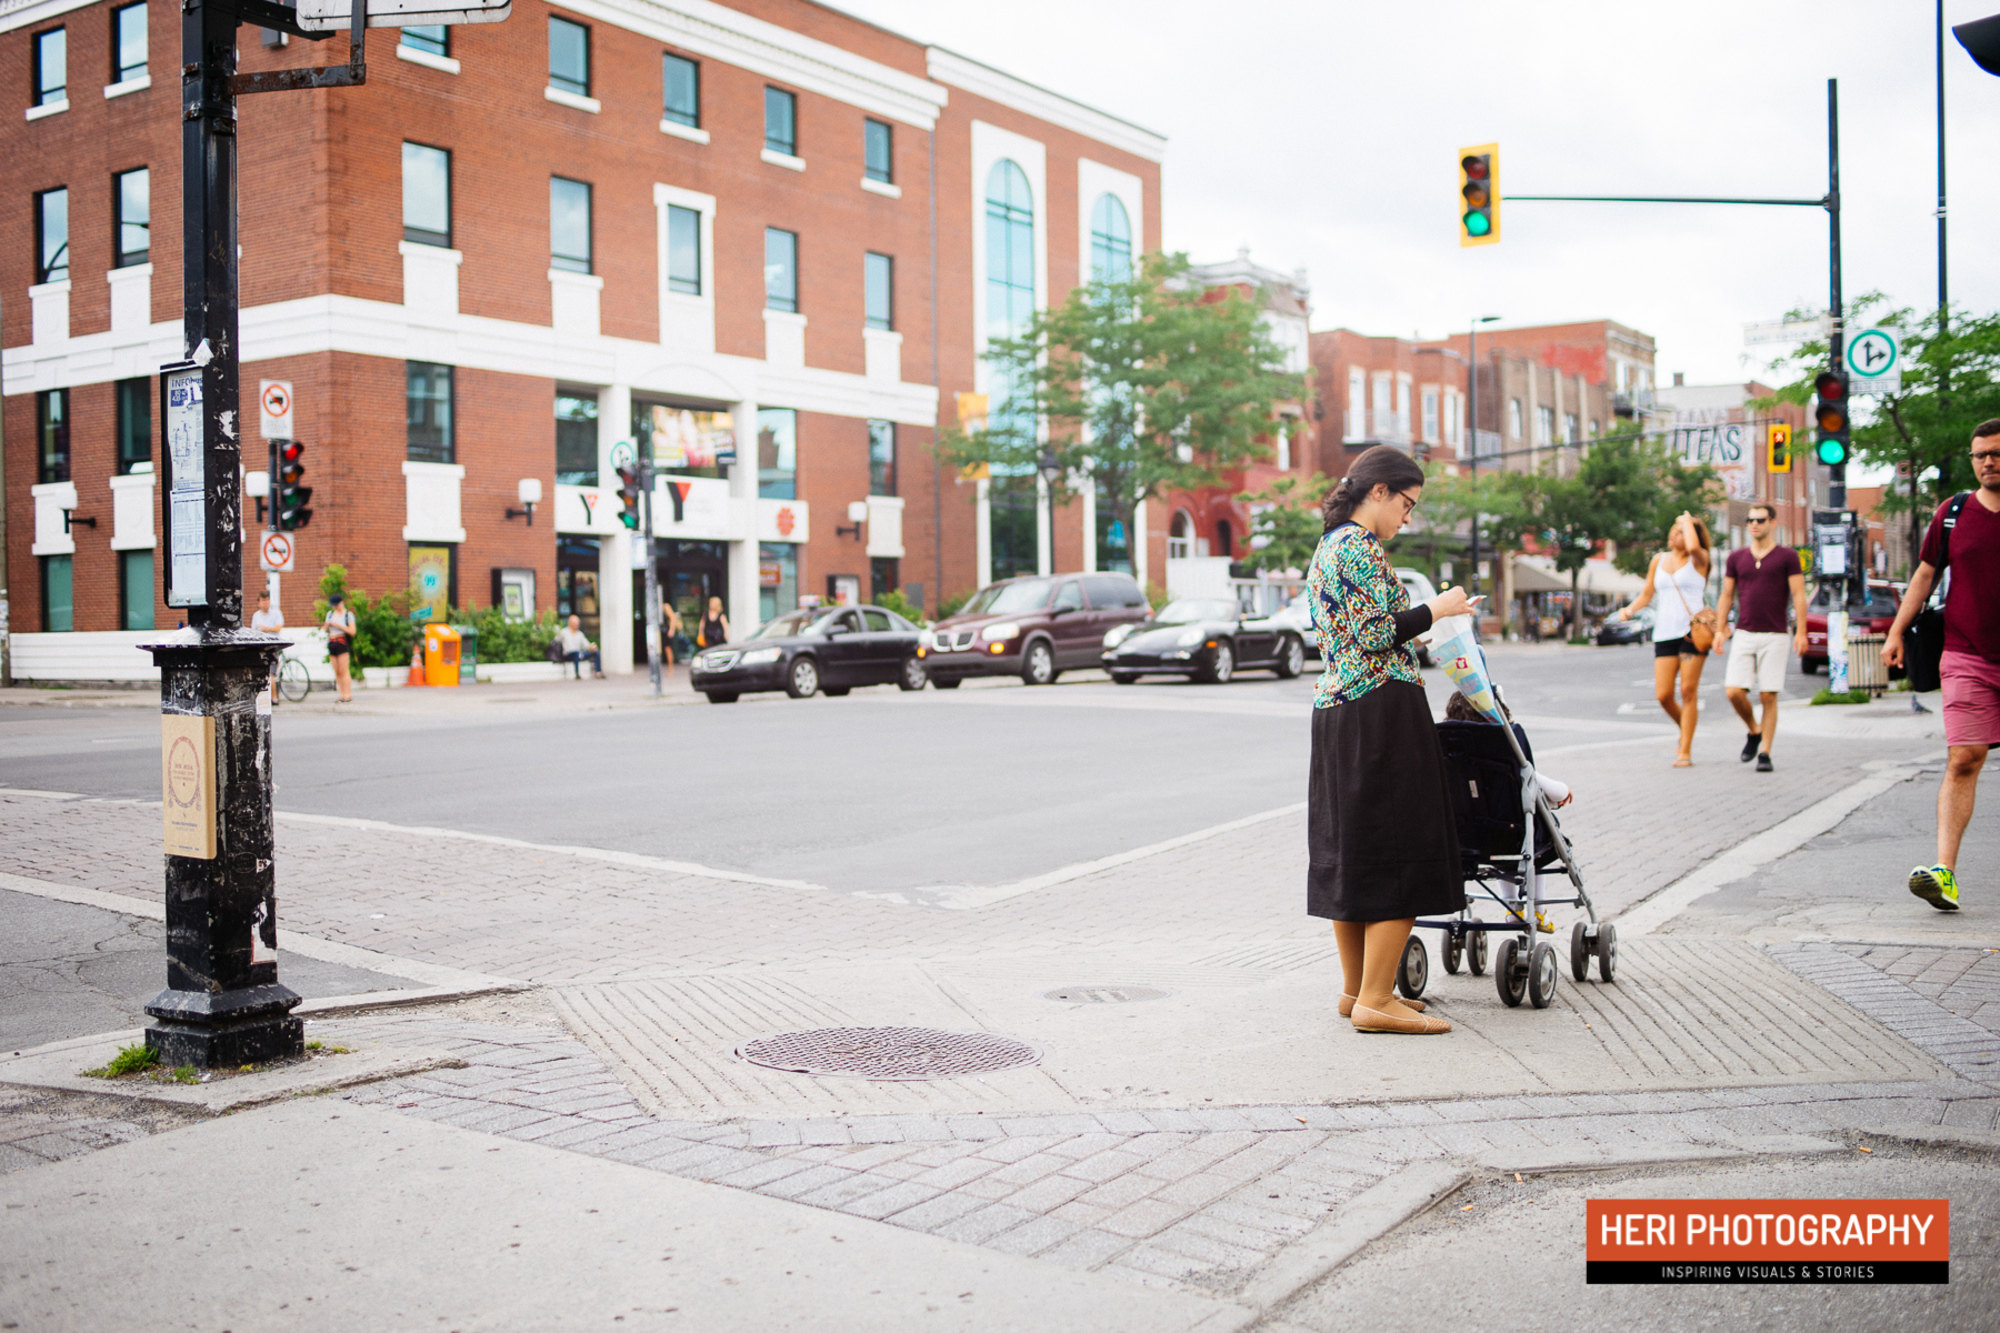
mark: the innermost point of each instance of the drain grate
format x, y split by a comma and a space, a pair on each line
894, 1053
1105, 994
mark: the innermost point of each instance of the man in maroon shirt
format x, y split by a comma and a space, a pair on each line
1765, 577
1971, 668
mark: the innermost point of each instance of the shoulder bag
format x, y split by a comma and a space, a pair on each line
1923, 642
1701, 624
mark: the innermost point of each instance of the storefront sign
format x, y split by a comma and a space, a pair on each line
1726, 446
187, 785
430, 583
783, 521
691, 508
685, 437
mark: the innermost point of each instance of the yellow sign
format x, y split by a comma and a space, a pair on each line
187, 785
975, 472
1779, 437
972, 411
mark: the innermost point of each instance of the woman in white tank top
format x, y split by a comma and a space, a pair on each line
1680, 574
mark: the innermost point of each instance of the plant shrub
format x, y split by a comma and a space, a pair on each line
894, 600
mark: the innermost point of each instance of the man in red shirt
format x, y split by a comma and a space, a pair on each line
1971, 668
1766, 577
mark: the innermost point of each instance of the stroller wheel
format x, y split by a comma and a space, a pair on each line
1454, 951
1414, 972
1475, 952
1510, 977
1542, 974
1579, 953
1607, 952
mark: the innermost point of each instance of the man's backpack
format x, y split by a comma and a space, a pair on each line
1923, 642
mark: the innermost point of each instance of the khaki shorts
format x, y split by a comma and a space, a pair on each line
1757, 661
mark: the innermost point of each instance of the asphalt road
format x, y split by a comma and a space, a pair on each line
877, 790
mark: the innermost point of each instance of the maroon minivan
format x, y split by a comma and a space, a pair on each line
1035, 627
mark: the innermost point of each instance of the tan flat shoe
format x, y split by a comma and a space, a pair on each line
1347, 1005
1374, 1020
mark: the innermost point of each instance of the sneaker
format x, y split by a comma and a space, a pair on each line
1763, 763
1937, 886
1750, 745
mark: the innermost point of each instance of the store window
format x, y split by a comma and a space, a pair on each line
781, 270
576, 439
879, 275
1110, 240
52, 436
877, 151
135, 590
52, 236
881, 458
135, 425
884, 577
58, 596
51, 67
777, 579
569, 57
132, 197
576, 583
683, 250
429, 412
777, 453
687, 441
128, 52
781, 122
569, 225
426, 195
680, 84
433, 583
433, 39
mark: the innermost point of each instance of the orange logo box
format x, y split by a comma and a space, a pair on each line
1767, 1240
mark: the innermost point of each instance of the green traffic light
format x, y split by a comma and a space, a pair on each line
1833, 452
1477, 224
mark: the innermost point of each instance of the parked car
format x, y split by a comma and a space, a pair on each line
1421, 590
1639, 629
1203, 637
1872, 617
824, 650
1036, 627
1296, 615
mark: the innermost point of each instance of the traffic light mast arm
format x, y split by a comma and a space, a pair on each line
1824, 201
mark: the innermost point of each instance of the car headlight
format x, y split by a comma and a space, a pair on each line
1001, 632
1190, 636
927, 639
1117, 634
759, 656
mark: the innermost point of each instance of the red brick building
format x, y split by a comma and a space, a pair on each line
766, 237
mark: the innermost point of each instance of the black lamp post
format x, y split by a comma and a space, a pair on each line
1051, 470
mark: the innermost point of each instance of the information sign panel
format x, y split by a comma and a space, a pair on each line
187, 785
187, 486
337, 15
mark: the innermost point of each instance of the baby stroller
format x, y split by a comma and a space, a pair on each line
1511, 847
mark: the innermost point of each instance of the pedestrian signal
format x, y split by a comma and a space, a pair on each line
293, 498
628, 495
1479, 195
1779, 437
1830, 417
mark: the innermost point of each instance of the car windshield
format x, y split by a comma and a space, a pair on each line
789, 625
1006, 599
1187, 610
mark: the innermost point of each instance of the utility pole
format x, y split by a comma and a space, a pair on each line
1472, 409
645, 449
1837, 342
1944, 302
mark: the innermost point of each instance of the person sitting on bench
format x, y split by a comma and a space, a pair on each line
576, 649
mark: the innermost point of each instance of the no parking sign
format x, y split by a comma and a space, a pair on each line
275, 552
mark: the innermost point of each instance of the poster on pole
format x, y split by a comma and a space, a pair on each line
187, 487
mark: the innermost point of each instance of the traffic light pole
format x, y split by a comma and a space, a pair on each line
1837, 344
652, 564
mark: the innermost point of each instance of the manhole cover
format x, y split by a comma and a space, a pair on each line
888, 1053
1105, 994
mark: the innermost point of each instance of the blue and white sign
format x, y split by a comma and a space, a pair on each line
1874, 363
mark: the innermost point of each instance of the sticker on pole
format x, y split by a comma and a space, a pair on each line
275, 552
336, 15
274, 408
1874, 363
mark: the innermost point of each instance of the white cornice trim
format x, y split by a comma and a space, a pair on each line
27, 13
957, 71
429, 59
693, 134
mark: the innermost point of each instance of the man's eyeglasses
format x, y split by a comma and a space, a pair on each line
1986, 455
1754, 519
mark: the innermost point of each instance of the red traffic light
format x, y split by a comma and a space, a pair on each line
1475, 166
629, 475
1831, 386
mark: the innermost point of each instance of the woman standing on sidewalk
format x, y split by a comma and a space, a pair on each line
1683, 569
1383, 846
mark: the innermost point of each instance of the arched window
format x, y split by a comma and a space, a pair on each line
1010, 305
1180, 535
1110, 240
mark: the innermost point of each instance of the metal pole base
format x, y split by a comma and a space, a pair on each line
222, 1030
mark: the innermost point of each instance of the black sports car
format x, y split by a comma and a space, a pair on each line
824, 650
1203, 637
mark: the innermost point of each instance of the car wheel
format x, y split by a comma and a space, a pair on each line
1038, 664
1124, 678
802, 681
721, 696
948, 682
1809, 665
1291, 658
914, 675
1222, 665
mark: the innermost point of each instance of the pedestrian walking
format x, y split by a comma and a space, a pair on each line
714, 629
1765, 577
340, 629
1964, 541
1683, 628
266, 621
1382, 843
577, 649
670, 632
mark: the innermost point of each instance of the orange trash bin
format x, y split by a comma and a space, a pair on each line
441, 644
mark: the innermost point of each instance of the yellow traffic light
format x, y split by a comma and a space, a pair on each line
1779, 438
1479, 194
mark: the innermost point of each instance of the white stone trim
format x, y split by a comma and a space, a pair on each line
132, 512
50, 499
562, 98
1094, 180
883, 188
428, 59
48, 109
785, 160
432, 498
692, 133
575, 303
48, 312
131, 298
19, 15
784, 339
430, 281
957, 71
885, 527
138, 83
882, 351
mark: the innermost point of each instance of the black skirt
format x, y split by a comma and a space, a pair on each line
1378, 813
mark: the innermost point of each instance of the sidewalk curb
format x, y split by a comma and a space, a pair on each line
1367, 1217
1941, 1136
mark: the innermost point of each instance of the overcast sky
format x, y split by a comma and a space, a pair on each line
1323, 134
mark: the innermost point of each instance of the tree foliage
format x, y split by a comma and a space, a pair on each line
1285, 522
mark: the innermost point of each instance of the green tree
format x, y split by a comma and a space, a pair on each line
1617, 495
1136, 387
1452, 501
1285, 522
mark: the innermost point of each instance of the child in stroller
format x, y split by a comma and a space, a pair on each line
1558, 794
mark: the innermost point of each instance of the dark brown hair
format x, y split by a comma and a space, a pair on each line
1986, 428
1458, 708
1384, 465
1769, 513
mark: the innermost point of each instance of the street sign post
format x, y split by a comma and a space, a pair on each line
336, 15
1874, 363
275, 551
274, 408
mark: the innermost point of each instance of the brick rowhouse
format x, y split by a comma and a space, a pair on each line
524, 244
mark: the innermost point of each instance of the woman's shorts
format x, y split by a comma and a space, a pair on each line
1681, 647
336, 650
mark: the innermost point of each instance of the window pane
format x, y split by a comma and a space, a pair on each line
683, 250
876, 155
51, 66
781, 270
781, 131
569, 225
1110, 240
426, 194
135, 423
777, 453
569, 56
777, 578
135, 217
433, 38
881, 458
58, 602
52, 435
135, 589
880, 271
680, 80
128, 54
576, 440
429, 412
52, 236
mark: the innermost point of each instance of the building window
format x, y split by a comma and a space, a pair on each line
1430, 427
881, 458
1114, 550
51, 66
1570, 430
680, 84
569, 225
429, 403
880, 275
128, 61
683, 250
569, 57
1356, 425
781, 121
135, 590
1513, 418
777, 578
135, 424
426, 195
52, 436
1284, 449
1593, 429
781, 270
877, 151
884, 577
1545, 427
777, 453
132, 196
1110, 241
1011, 495
433, 39
576, 440
52, 236
58, 595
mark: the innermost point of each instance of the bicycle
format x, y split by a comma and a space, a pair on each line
293, 682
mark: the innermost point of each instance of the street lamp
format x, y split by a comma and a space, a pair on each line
1050, 468
1472, 407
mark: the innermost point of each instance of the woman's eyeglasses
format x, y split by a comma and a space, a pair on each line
1410, 504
